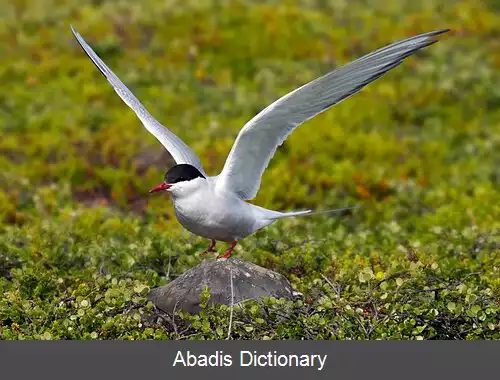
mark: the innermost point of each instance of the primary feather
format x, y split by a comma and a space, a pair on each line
260, 137
180, 152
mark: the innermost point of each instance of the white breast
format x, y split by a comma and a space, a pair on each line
213, 215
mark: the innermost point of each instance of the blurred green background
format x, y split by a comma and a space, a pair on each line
419, 150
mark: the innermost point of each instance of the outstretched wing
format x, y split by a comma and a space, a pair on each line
260, 137
181, 153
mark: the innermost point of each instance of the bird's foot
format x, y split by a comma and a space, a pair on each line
229, 251
225, 255
209, 249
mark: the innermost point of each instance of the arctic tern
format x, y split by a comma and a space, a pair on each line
215, 207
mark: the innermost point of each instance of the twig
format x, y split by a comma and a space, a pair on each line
168, 269
173, 319
447, 287
232, 305
336, 289
186, 337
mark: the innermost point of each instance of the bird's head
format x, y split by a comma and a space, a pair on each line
180, 180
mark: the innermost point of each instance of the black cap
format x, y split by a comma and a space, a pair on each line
181, 173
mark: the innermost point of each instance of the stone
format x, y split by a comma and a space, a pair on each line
250, 281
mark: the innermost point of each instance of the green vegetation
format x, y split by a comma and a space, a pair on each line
81, 240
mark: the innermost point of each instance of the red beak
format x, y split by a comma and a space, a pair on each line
162, 186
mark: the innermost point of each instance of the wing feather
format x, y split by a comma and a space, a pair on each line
180, 152
263, 134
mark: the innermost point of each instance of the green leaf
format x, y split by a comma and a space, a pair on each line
475, 309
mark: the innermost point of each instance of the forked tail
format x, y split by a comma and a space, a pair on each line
281, 215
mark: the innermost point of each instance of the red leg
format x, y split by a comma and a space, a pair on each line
209, 249
228, 252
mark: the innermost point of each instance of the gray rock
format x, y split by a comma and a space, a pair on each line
250, 281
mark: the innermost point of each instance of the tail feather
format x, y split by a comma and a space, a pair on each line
282, 215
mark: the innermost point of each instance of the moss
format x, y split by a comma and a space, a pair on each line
81, 241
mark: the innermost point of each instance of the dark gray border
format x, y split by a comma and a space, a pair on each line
368, 360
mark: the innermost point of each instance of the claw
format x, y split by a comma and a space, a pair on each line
229, 251
209, 249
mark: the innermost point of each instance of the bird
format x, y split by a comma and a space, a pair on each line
217, 207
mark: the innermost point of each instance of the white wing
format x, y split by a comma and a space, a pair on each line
261, 136
181, 153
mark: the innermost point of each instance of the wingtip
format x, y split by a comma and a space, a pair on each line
439, 32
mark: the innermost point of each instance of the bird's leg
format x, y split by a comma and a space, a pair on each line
209, 249
229, 250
